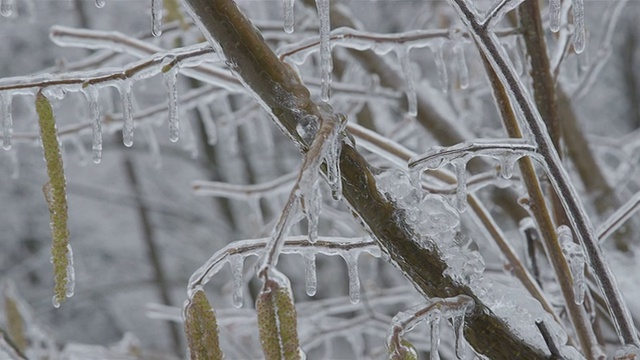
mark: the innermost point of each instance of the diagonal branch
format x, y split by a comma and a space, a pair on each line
279, 90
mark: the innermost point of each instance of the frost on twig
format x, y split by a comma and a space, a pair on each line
454, 308
507, 151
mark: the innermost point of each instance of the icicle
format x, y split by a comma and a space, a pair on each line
438, 51
575, 256
210, 126
312, 203
71, 273
326, 64
555, 14
507, 165
310, 275
332, 157
7, 8
458, 333
100, 3
435, 337
288, 15
578, 26
7, 119
354, 279
463, 70
82, 152
461, 189
237, 274
156, 17
402, 52
94, 113
170, 81
15, 171
154, 147
127, 113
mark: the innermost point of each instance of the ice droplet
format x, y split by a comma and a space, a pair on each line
125, 89
351, 258
156, 17
100, 3
507, 165
7, 119
310, 275
94, 114
170, 78
435, 337
326, 63
7, 7
288, 16
55, 302
237, 273
555, 14
402, 52
307, 128
575, 256
578, 26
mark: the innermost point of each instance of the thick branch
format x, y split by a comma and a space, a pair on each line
281, 93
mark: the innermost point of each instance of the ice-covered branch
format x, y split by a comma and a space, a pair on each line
243, 192
618, 218
489, 46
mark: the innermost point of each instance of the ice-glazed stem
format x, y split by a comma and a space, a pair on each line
580, 222
261, 71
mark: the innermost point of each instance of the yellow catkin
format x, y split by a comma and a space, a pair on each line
268, 326
15, 323
201, 329
55, 192
288, 324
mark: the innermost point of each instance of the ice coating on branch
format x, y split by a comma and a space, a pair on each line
351, 259
100, 3
576, 259
96, 125
578, 26
288, 16
402, 52
310, 274
438, 51
7, 7
332, 155
7, 119
311, 201
464, 265
308, 127
156, 17
125, 89
432, 312
428, 214
326, 63
170, 77
236, 263
71, 273
500, 9
555, 14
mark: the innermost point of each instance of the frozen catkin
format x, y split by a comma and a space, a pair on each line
201, 329
56, 195
278, 323
14, 321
